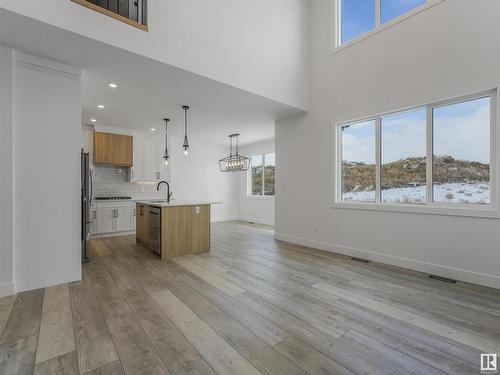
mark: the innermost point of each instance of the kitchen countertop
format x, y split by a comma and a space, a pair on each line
175, 203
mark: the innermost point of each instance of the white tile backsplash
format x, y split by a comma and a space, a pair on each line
115, 181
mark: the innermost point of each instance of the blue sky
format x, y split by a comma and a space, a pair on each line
358, 16
461, 130
390, 9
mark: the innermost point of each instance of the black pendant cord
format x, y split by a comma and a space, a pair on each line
186, 142
167, 156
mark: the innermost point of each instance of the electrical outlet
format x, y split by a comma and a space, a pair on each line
197, 210
316, 228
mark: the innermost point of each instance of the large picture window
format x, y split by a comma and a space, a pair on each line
403, 173
461, 160
435, 155
358, 161
357, 17
261, 175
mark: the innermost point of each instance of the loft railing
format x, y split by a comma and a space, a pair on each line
132, 12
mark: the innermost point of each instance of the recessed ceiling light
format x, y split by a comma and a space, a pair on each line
153, 129
93, 120
113, 85
100, 106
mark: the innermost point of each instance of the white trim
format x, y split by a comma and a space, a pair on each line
338, 46
48, 66
429, 154
466, 210
257, 220
435, 209
488, 280
6, 289
261, 197
111, 234
378, 160
222, 219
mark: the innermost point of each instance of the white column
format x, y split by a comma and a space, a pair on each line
6, 265
47, 143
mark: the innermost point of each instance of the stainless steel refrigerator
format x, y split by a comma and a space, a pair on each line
86, 201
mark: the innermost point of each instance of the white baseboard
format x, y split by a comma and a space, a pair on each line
6, 289
113, 234
488, 280
221, 219
257, 220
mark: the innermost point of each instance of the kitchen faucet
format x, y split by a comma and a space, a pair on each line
169, 194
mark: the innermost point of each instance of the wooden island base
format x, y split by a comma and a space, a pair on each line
185, 229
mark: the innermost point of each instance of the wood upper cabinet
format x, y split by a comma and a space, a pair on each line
113, 149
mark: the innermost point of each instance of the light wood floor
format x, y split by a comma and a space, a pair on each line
253, 305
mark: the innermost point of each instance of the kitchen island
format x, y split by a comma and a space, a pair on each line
174, 228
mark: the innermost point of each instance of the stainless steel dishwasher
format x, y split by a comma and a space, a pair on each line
155, 229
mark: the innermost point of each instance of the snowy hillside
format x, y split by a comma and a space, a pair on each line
476, 193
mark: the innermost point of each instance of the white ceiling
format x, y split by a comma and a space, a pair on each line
148, 91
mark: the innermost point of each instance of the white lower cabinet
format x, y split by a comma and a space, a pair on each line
123, 219
105, 220
114, 217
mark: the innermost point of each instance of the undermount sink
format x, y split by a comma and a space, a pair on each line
158, 201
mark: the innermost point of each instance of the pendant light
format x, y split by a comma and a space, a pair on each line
234, 162
166, 156
186, 142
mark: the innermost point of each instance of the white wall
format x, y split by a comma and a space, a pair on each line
6, 283
259, 46
47, 141
446, 51
198, 177
254, 209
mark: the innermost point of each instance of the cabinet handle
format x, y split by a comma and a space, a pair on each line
132, 174
95, 215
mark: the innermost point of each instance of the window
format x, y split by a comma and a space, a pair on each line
462, 152
357, 17
437, 155
358, 161
269, 168
262, 172
256, 171
403, 176
390, 9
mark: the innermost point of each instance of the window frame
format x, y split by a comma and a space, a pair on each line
379, 26
430, 207
249, 178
